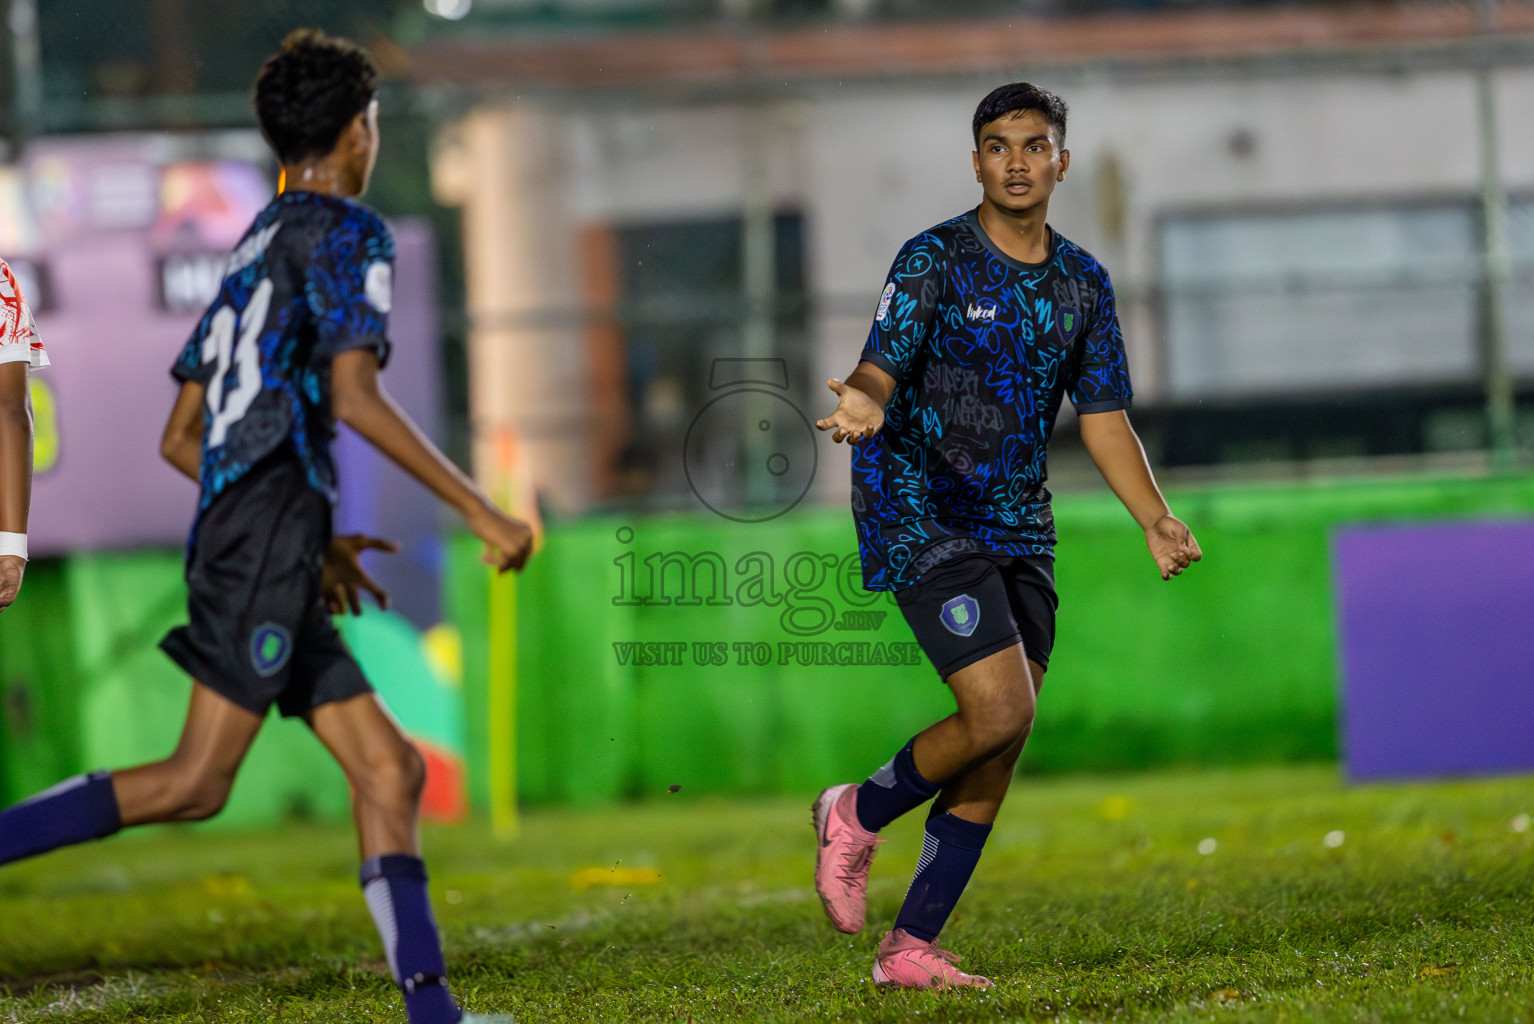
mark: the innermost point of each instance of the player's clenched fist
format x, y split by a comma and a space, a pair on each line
508, 541
1172, 545
857, 418
11, 571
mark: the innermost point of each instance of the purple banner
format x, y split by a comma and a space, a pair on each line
111, 350
1436, 635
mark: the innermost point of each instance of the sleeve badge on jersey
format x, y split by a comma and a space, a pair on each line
378, 285
884, 303
1069, 322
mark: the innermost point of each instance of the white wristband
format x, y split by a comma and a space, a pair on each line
13, 545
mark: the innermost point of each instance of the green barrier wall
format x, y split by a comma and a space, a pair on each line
39, 729
83, 685
79, 650
1231, 663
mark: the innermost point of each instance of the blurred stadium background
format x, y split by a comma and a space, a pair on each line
1320, 220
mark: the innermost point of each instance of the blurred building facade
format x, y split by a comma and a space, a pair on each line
1287, 196
1289, 201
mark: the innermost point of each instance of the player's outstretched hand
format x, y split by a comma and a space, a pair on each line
857, 417
1172, 545
12, 569
344, 578
508, 541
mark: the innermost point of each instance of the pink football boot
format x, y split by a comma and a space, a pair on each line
904, 961
843, 854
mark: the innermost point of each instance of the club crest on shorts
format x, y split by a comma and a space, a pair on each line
961, 615
1069, 322
270, 647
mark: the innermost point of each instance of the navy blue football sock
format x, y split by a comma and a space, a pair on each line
892, 790
395, 888
74, 811
949, 852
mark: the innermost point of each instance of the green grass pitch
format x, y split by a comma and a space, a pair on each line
1093, 903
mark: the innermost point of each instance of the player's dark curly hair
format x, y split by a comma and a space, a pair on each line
1017, 98
310, 91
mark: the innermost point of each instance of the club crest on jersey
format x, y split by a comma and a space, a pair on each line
961, 615
977, 312
1069, 322
884, 302
270, 647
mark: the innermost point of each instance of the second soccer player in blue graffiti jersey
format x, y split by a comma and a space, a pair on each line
982, 346
986, 323
312, 278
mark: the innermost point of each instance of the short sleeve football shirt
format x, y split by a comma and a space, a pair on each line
19, 342
312, 278
982, 347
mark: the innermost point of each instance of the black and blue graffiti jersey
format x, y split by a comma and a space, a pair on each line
982, 348
312, 277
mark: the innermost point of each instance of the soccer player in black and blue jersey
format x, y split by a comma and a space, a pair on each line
295, 340
985, 323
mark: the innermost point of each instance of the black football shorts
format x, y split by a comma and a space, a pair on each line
259, 633
969, 608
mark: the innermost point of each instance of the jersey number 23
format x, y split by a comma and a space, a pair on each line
226, 405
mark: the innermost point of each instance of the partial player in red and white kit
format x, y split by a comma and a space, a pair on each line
19, 341
21, 351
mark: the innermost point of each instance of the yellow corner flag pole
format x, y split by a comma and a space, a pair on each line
503, 705
502, 710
